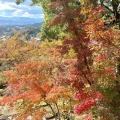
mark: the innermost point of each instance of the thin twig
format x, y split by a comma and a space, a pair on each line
58, 111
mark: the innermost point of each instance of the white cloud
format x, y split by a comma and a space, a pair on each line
8, 8
17, 13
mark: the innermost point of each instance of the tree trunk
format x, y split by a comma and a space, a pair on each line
115, 11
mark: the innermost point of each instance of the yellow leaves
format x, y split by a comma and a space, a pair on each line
84, 11
82, 2
24, 49
27, 110
72, 53
47, 44
15, 51
48, 49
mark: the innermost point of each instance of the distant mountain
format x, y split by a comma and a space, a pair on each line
26, 31
19, 21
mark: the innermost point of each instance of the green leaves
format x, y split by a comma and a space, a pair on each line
19, 1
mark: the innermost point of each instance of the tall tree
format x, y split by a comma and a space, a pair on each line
85, 25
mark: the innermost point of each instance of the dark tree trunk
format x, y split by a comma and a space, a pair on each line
115, 10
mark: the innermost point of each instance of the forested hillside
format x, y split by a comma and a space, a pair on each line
73, 73
26, 32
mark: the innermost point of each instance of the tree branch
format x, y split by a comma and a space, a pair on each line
51, 108
108, 8
101, 1
58, 111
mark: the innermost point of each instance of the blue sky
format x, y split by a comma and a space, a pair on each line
8, 8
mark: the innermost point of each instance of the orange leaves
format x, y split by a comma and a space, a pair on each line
33, 80
59, 92
96, 30
34, 115
32, 75
32, 96
46, 86
28, 81
38, 114
53, 52
22, 117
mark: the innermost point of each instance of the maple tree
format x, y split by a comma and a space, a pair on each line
32, 89
87, 30
77, 74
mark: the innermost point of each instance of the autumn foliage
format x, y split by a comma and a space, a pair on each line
66, 78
